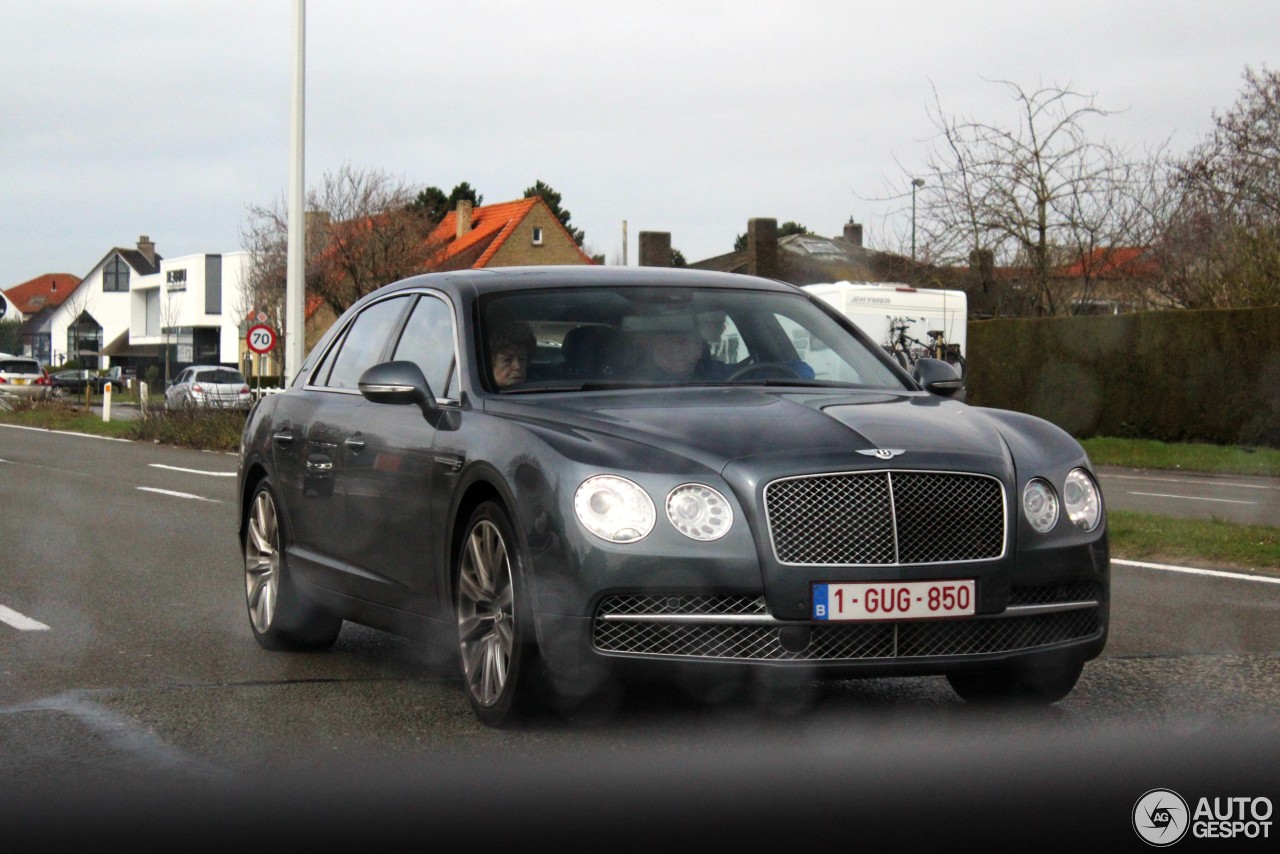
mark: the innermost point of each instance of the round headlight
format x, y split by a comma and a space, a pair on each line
699, 512
615, 509
1082, 500
1040, 504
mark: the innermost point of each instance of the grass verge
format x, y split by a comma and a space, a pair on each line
202, 429
59, 415
1162, 539
1190, 456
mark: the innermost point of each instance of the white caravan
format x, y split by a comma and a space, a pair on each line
877, 307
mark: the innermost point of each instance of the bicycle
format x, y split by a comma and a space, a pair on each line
901, 346
906, 350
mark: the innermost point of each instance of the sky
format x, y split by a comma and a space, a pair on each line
169, 118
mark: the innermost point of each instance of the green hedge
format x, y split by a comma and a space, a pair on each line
1176, 376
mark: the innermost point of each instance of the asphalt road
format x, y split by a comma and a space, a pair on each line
140, 710
1232, 498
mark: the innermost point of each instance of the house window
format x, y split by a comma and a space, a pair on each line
537, 237
116, 275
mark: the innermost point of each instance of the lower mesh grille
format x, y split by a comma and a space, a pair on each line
630, 625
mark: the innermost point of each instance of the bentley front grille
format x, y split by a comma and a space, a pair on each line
739, 628
885, 518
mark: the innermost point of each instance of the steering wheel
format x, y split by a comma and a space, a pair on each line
764, 371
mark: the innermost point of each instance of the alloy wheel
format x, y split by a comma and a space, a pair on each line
485, 607
262, 561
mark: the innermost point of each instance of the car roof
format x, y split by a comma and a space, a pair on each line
582, 276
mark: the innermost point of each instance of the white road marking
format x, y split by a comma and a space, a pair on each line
20, 621
180, 494
63, 432
1192, 498
1195, 480
1217, 573
193, 471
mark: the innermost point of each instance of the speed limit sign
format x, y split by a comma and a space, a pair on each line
261, 338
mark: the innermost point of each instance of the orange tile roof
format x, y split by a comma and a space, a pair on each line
1116, 263
312, 305
492, 223
45, 291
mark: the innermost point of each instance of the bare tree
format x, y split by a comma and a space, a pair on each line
1221, 242
363, 231
170, 313
1037, 197
77, 304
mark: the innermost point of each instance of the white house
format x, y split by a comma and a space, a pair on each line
195, 304
97, 311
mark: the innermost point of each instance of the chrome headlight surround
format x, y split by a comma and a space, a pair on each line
699, 512
614, 508
1040, 505
1082, 500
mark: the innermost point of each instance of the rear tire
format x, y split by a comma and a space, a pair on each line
281, 617
496, 651
1037, 686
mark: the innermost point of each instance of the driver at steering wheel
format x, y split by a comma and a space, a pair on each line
675, 349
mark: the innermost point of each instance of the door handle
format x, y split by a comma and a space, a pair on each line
354, 444
282, 437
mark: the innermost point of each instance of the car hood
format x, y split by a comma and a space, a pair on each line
716, 426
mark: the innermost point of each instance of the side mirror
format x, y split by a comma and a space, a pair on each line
398, 383
938, 377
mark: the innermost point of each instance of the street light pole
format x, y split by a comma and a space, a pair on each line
295, 267
915, 183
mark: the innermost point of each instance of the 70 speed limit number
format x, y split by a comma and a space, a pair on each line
261, 338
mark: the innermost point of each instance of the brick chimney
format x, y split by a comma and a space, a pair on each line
147, 247
762, 248
464, 216
655, 249
853, 233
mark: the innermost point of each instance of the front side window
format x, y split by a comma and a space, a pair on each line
363, 344
584, 338
428, 340
115, 276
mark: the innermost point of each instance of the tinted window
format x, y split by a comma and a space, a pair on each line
364, 342
19, 366
428, 340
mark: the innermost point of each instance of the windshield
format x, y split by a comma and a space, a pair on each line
584, 338
19, 366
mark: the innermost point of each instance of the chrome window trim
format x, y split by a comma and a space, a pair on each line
341, 334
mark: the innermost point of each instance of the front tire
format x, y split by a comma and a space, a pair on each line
494, 623
1037, 686
279, 615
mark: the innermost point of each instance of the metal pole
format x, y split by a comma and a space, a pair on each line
295, 281
915, 182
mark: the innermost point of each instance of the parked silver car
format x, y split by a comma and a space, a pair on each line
213, 386
23, 376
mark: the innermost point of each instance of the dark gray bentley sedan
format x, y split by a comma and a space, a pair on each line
567, 474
